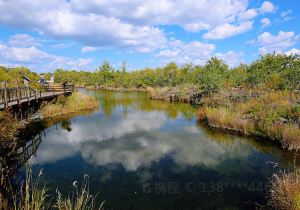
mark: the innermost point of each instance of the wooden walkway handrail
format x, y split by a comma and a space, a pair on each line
17, 95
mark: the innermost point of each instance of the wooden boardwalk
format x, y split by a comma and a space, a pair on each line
10, 97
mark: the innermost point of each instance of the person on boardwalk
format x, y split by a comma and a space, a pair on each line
42, 79
51, 79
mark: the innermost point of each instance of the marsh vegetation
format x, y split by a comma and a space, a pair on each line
260, 99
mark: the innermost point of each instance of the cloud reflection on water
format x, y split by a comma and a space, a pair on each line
135, 141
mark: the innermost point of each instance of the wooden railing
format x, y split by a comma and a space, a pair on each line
8, 95
19, 94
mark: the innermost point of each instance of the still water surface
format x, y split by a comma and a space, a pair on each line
142, 154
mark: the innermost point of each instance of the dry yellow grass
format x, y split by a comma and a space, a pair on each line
66, 105
9, 126
285, 191
225, 119
273, 115
291, 136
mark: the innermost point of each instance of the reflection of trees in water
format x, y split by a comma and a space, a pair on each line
111, 100
12, 159
14, 156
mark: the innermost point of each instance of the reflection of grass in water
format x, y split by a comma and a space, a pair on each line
33, 196
229, 140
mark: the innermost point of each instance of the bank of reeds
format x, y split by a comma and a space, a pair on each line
285, 191
273, 115
32, 195
182, 93
67, 105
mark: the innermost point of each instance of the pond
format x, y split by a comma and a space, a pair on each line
143, 154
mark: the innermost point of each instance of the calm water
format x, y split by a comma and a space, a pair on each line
142, 154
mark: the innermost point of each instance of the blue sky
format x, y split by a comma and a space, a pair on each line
81, 34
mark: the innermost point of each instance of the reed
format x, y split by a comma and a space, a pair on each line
67, 105
9, 126
274, 115
33, 196
285, 190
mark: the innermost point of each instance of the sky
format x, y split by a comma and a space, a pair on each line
81, 34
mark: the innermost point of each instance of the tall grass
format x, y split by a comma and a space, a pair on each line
285, 190
9, 126
33, 196
67, 105
79, 198
273, 115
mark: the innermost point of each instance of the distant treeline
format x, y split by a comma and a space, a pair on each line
274, 71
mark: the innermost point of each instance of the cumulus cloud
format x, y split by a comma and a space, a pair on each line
181, 52
276, 43
196, 52
228, 30
267, 7
231, 58
60, 20
265, 22
23, 54
113, 24
34, 58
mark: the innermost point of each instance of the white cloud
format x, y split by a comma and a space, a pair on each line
192, 52
228, 30
195, 52
127, 24
276, 43
293, 51
59, 19
22, 40
23, 54
249, 14
265, 22
37, 59
89, 49
267, 7
231, 58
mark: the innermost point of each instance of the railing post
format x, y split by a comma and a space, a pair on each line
5, 94
35, 94
18, 94
27, 93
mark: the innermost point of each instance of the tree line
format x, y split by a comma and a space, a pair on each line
274, 71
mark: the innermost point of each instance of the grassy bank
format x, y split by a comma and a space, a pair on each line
67, 105
285, 191
271, 114
183, 93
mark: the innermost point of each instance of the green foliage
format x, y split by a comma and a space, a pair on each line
213, 75
276, 71
238, 75
272, 71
